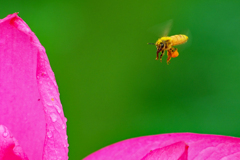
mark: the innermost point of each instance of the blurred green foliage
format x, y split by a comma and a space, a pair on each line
111, 86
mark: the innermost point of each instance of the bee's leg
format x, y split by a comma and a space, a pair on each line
157, 54
174, 52
173, 49
161, 55
169, 54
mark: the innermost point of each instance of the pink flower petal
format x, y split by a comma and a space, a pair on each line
29, 97
176, 151
201, 146
9, 147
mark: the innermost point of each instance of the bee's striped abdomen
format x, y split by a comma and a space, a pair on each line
179, 39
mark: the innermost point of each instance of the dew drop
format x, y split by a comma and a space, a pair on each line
53, 117
58, 108
5, 134
63, 126
49, 134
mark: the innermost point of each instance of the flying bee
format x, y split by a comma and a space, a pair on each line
167, 43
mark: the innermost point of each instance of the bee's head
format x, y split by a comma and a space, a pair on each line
159, 46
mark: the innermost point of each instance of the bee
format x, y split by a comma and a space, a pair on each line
167, 43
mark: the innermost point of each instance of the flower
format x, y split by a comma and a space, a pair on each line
176, 146
32, 123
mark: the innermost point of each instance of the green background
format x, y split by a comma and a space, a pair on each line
111, 86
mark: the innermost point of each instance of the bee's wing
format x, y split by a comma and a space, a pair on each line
161, 29
190, 38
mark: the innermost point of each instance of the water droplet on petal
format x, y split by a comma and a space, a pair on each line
53, 117
58, 108
5, 134
49, 134
63, 126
